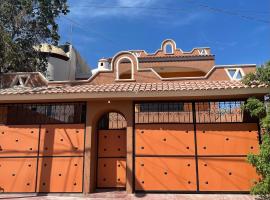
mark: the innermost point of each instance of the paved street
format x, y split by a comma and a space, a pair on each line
123, 195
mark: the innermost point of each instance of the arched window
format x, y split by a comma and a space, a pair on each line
112, 120
124, 69
168, 48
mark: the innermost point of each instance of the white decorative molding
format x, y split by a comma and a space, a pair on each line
137, 54
21, 80
117, 68
202, 52
236, 73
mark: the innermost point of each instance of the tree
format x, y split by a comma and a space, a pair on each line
24, 25
261, 110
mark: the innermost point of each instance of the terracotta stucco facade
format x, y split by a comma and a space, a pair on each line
181, 113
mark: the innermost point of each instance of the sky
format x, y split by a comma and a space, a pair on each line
237, 31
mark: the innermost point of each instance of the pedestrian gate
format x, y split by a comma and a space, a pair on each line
111, 170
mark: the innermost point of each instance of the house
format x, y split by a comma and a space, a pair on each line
169, 121
65, 63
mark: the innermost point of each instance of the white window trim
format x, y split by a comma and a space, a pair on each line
237, 70
117, 69
165, 46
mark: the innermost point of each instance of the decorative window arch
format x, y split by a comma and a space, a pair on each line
126, 71
168, 48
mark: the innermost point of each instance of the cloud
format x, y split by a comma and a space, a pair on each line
186, 19
119, 8
87, 11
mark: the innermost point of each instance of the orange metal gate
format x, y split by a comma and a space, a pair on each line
166, 159
111, 172
222, 151
46, 158
194, 147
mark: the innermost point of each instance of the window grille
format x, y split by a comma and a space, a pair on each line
49, 113
112, 120
221, 111
163, 112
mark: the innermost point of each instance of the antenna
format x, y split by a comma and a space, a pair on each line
71, 32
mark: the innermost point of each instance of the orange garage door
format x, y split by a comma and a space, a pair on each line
46, 158
222, 151
165, 157
168, 158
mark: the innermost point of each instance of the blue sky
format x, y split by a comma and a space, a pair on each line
237, 31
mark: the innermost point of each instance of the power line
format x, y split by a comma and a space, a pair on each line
77, 24
134, 7
213, 9
219, 10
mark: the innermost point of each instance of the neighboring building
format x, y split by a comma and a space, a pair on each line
65, 63
170, 121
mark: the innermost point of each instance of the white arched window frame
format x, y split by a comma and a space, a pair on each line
117, 68
170, 46
235, 73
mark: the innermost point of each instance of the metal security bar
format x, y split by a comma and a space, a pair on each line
163, 112
112, 120
47, 113
219, 112
182, 112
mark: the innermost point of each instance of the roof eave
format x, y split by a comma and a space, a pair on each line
181, 94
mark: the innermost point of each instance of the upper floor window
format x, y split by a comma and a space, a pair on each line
235, 73
168, 48
124, 69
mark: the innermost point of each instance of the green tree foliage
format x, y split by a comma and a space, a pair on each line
25, 24
261, 110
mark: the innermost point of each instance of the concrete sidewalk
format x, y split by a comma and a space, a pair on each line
124, 195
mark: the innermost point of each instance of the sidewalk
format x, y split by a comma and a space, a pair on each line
123, 195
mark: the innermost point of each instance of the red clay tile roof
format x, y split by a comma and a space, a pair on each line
129, 87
